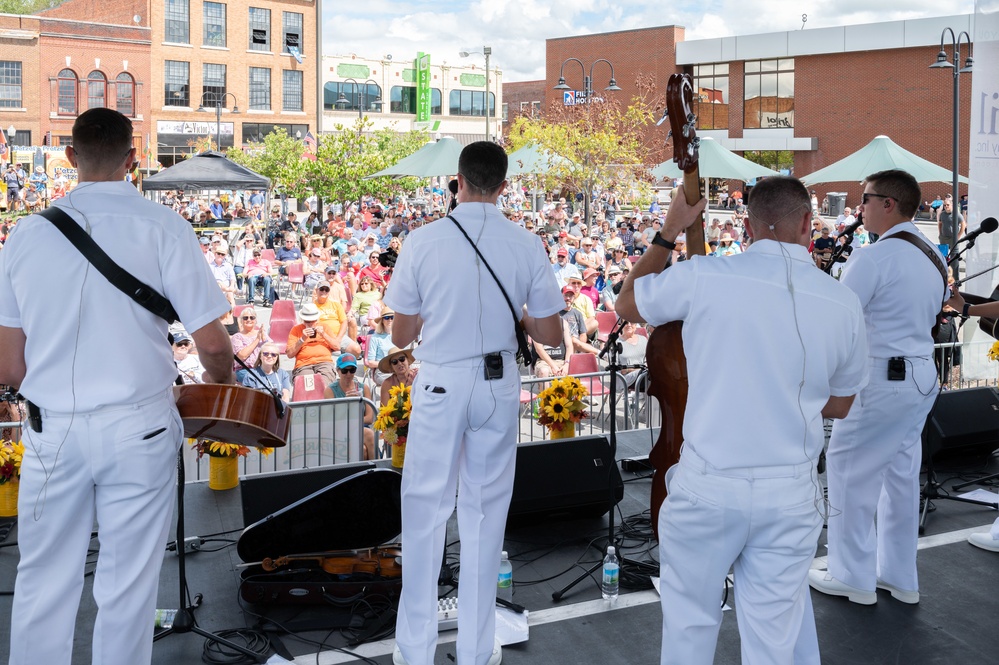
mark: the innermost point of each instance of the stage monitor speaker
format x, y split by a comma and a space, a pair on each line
266, 494
962, 423
565, 478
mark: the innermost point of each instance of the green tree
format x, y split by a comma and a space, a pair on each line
25, 6
772, 159
279, 157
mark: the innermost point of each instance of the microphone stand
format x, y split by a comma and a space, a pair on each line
611, 349
957, 255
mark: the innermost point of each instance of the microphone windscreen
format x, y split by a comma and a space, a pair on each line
453, 187
989, 224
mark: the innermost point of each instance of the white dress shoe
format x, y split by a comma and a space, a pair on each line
495, 659
985, 541
901, 595
822, 580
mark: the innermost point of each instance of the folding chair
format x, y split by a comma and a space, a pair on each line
283, 309
308, 387
605, 324
586, 363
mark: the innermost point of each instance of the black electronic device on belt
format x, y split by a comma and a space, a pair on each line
896, 369
493, 368
34, 417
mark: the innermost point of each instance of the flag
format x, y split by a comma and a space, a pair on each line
309, 152
296, 53
3, 143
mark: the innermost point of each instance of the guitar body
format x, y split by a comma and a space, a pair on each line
664, 357
231, 414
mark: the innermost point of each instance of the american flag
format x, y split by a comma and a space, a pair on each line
310, 147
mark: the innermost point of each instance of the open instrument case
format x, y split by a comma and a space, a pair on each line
329, 547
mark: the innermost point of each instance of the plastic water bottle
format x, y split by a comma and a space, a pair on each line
610, 583
504, 583
164, 618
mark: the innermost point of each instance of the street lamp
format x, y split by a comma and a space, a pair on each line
587, 98
219, 99
486, 51
11, 132
362, 96
942, 63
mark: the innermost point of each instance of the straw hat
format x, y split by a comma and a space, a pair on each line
385, 364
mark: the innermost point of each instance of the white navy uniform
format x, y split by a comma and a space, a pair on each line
745, 492
101, 370
875, 452
462, 425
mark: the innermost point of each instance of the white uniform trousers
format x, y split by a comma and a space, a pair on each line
764, 523
465, 436
99, 465
873, 466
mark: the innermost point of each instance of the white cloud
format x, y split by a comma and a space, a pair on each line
517, 31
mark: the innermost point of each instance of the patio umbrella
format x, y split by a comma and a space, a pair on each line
879, 155
716, 161
433, 159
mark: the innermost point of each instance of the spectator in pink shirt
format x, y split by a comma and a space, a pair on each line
257, 271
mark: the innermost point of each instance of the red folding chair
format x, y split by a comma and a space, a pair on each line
283, 309
586, 363
605, 324
279, 331
308, 387
296, 277
267, 255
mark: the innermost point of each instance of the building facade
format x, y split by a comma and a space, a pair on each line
386, 91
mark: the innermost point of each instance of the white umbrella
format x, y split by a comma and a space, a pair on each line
880, 154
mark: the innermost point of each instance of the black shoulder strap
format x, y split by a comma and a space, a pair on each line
918, 242
525, 348
118, 276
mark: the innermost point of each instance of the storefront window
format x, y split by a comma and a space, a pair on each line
769, 94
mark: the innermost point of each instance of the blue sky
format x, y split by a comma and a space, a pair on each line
517, 29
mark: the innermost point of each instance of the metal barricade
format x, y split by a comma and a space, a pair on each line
530, 430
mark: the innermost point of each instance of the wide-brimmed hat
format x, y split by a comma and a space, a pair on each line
385, 311
727, 236
385, 364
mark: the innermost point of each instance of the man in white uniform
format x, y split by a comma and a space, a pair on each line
465, 399
875, 453
745, 493
110, 432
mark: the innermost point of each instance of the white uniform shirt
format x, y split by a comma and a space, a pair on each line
901, 292
464, 313
89, 344
744, 408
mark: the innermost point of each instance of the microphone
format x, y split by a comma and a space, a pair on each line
848, 231
452, 187
988, 225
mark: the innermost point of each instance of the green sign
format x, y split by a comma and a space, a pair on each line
348, 70
473, 80
409, 75
422, 87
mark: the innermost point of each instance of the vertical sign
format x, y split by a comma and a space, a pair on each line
983, 173
422, 87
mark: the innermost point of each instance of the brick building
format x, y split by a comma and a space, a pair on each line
524, 98
819, 93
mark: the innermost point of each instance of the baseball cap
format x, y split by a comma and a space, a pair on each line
346, 360
562, 252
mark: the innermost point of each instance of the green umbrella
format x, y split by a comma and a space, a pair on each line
531, 159
433, 159
716, 161
880, 154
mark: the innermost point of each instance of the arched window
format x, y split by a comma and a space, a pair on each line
97, 90
67, 83
125, 86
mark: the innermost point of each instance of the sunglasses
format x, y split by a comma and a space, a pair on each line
397, 361
268, 354
219, 253
388, 317
868, 195
348, 370
183, 344
248, 318
324, 289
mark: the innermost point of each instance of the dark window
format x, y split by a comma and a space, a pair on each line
260, 89
255, 132
291, 90
177, 22
260, 29
769, 94
403, 100
97, 90
291, 32
67, 84
710, 103
10, 84
368, 93
125, 94
214, 24
471, 102
213, 85
176, 83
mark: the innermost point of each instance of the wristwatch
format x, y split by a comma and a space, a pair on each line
964, 310
662, 242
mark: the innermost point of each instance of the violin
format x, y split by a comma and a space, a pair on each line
384, 562
667, 365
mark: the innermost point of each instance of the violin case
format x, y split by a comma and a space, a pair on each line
327, 548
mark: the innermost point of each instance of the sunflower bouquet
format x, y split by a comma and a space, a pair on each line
993, 353
393, 418
220, 449
561, 405
11, 454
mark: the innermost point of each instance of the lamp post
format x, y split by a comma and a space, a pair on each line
486, 51
219, 99
942, 63
11, 133
587, 98
362, 96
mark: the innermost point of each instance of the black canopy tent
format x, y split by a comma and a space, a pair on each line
209, 170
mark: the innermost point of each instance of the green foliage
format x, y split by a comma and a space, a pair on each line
279, 157
25, 6
772, 159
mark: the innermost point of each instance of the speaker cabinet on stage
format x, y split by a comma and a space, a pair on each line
962, 422
565, 478
266, 494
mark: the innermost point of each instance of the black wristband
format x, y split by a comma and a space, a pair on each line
964, 310
662, 242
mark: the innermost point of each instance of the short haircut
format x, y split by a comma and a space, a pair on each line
483, 165
102, 137
899, 185
774, 200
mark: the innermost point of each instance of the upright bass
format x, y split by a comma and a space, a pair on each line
667, 365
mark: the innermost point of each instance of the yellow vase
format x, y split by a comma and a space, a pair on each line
8, 498
398, 454
568, 431
223, 472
